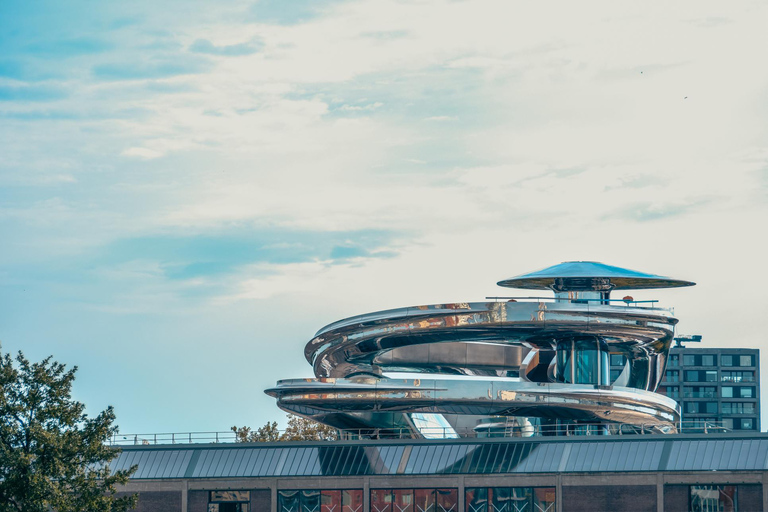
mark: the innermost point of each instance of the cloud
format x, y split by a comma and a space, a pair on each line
27, 93
144, 153
150, 69
289, 13
232, 50
646, 211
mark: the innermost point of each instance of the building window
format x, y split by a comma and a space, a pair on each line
713, 498
700, 392
726, 392
747, 392
707, 360
671, 391
733, 376
350, 500
412, 500
689, 360
738, 408
701, 407
726, 360
671, 376
746, 361
747, 424
617, 360
510, 499
674, 360
228, 501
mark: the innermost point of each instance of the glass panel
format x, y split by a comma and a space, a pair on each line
500, 499
617, 360
402, 500
747, 424
726, 392
544, 499
711, 376
689, 360
352, 500
310, 501
713, 498
520, 499
745, 361
747, 392
447, 500
424, 500
726, 360
330, 501
707, 360
288, 501
381, 500
476, 499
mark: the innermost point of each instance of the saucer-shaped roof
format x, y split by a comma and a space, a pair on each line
620, 278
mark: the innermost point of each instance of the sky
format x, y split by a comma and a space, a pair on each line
190, 189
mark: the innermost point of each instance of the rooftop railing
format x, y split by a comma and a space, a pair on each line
629, 303
484, 432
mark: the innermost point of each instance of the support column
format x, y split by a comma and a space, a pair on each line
461, 494
366, 494
559, 493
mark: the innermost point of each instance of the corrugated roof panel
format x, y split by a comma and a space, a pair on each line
740, 453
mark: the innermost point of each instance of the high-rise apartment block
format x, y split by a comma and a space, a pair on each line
714, 386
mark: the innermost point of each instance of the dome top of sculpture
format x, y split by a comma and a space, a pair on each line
590, 275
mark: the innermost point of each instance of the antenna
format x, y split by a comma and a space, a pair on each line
694, 338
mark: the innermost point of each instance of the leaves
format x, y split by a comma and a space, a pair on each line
299, 429
52, 455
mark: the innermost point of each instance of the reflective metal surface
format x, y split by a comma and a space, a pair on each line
552, 356
590, 275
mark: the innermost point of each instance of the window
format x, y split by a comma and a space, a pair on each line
726, 360
674, 360
411, 500
738, 408
710, 376
671, 391
701, 407
726, 392
707, 360
322, 501
747, 392
713, 498
733, 376
746, 361
700, 392
671, 376
228, 501
510, 499
747, 424
617, 360
689, 360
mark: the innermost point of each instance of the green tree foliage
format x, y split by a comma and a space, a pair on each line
52, 455
299, 429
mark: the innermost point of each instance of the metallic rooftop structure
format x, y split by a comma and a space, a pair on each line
589, 275
535, 363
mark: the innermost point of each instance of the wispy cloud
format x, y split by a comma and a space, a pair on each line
231, 50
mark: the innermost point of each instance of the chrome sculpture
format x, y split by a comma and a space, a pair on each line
516, 362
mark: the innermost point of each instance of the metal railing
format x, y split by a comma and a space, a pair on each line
494, 431
633, 303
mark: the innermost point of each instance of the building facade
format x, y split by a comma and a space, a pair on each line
714, 386
629, 473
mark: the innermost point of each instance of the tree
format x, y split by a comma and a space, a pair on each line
299, 429
52, 455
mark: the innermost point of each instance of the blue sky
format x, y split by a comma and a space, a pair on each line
189, 190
